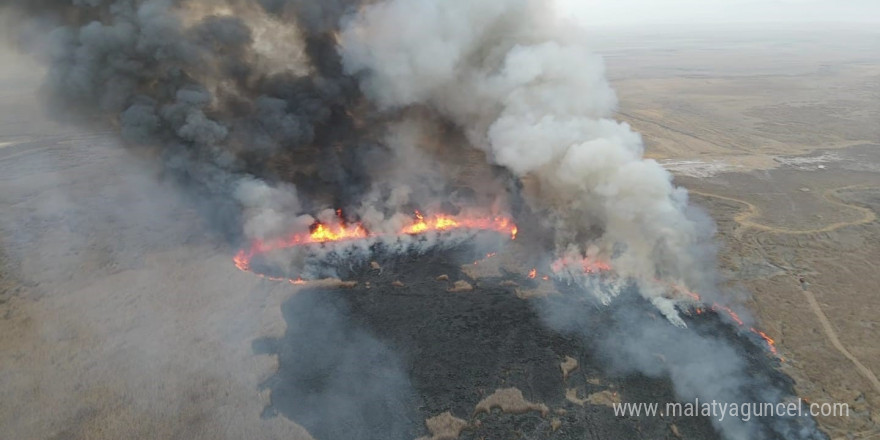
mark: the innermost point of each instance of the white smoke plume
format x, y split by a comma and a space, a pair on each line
253, 109
267, 209
525, 89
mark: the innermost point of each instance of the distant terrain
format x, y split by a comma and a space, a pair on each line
776, 134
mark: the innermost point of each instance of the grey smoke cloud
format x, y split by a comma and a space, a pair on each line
524, 88
700, 361
259, 143
195, 84
236, 132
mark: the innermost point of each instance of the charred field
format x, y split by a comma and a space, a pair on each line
388, 219
422, 349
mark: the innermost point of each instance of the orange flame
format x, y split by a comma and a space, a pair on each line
488, 256
341, 231
594, 267
589, 265
770, 342
323, 233
729, 312
446, 223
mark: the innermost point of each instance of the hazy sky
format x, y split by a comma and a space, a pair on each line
646, 12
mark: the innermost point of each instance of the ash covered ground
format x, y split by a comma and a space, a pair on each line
421, 349
210, 127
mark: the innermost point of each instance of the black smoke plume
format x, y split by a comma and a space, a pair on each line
183, 82
266, 110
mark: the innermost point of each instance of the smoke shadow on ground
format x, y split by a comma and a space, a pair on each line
337, 379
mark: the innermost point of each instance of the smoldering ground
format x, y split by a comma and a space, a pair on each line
266, 114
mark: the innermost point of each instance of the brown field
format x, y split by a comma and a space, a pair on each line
777, 135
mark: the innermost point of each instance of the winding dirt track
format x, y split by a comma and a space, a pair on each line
835, 341
745, 219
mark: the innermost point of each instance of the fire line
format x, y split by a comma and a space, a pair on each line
592, 267
342, 231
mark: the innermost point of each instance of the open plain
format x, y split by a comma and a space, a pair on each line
776, 134
138, 327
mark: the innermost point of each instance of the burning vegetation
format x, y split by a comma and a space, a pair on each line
266, 112
341, 232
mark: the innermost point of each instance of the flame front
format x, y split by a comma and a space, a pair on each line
770, 342
323, 233
446, 223
320, 233
592, 267
341, 231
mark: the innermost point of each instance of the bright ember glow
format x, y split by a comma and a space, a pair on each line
770, 342
446, 223
342, 231
589, 265
321, 233
324, 233
715, 307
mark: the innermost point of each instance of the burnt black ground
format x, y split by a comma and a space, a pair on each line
375, 362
